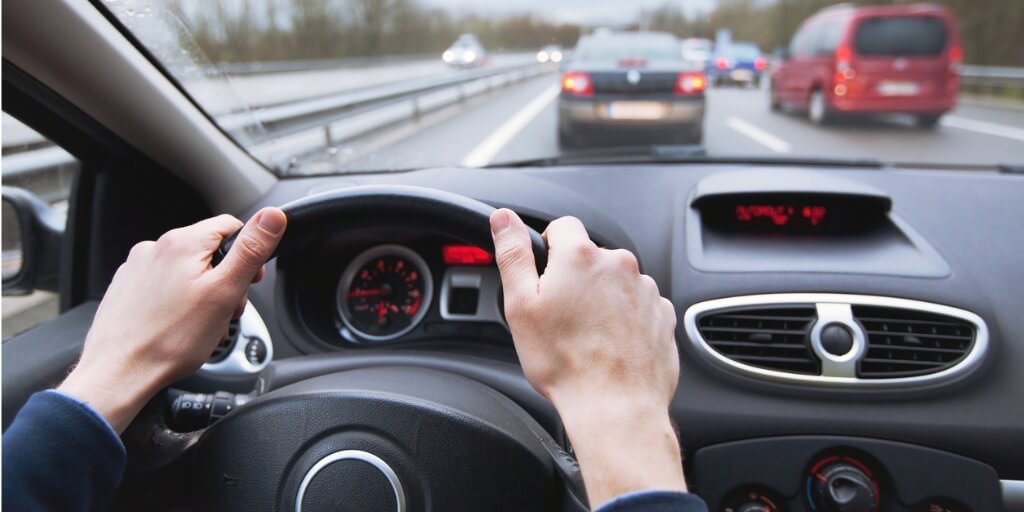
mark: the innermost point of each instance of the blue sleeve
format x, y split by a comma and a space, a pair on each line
60, 454
655, 501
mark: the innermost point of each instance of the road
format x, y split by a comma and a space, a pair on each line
520, 123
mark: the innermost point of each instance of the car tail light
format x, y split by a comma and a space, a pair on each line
760, 63
843, 57
956, 57
721, 63
690, 83
577, 83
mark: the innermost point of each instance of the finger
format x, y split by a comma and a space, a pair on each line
514, 254
209, 233
240, 308
566, 234
254, 245
259, 274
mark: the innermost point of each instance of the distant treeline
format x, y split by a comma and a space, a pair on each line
269, 30
992, 30
232, 31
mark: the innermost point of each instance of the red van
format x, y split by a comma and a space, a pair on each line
892, 59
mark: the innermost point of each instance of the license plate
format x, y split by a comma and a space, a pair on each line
636, 110
741, 75
898, 88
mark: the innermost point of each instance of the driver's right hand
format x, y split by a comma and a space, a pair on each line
594, 336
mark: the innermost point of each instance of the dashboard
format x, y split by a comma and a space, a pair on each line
845, 334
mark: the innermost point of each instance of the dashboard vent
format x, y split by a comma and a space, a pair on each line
774, 338
905, 343
225, 345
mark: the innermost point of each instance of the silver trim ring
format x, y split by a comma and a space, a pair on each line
364, 257
369, 458
826, 301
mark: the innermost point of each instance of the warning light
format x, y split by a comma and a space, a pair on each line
466, 255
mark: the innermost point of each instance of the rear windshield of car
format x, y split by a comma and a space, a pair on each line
901, 36
616, 48
744, 51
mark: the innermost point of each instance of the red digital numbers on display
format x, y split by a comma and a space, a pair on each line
781, 214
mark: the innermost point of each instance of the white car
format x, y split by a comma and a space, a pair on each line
465, 52
550, 53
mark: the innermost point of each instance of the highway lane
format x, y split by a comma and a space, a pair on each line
520, 123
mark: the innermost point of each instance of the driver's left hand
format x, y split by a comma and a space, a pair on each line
166, 309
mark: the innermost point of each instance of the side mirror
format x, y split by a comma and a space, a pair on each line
32, 234
781, 53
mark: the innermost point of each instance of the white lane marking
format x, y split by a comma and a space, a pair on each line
758, 135
999, 130
486, 150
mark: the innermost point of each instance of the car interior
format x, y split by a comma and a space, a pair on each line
841, 324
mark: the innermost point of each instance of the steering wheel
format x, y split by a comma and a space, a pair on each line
383, 437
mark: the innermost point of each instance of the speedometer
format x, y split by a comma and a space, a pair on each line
384, 292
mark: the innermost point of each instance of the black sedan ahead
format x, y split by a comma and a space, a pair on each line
626, 85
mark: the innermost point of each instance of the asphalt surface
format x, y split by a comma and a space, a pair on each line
520, 122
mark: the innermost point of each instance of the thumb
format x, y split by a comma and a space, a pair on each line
254, 245
514, 254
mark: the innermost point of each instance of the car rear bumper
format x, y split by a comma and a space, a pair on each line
892, 105
598, 111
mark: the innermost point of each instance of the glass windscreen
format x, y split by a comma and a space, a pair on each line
346, 86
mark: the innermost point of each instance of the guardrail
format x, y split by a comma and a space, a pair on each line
307, 125
992, 75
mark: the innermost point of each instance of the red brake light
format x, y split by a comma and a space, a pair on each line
466, 255
843, 56
956, 53
577, 83
690, 83
956, 56
760, 63
721, 63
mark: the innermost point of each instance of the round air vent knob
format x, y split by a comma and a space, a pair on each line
836, 339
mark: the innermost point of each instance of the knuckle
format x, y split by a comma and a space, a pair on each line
141, 249
627, 261
509, 256
251, 250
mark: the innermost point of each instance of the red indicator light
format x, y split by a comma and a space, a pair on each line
466, 255
760, 63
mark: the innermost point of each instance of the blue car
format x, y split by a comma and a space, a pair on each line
736, 63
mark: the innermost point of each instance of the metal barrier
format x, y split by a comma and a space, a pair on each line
305, 125
994, 76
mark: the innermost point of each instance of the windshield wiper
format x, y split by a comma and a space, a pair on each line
678, 154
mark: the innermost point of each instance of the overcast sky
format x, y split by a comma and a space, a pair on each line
573, 11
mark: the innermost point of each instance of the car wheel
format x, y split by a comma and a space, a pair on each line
773, 99
927, 121
817, 111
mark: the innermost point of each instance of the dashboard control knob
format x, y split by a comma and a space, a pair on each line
843, 487
754, 507
836, 339
750, 500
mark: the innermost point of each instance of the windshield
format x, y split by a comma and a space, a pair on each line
743, 51
344, 86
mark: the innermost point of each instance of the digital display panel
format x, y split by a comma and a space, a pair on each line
824, 214
782, 214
